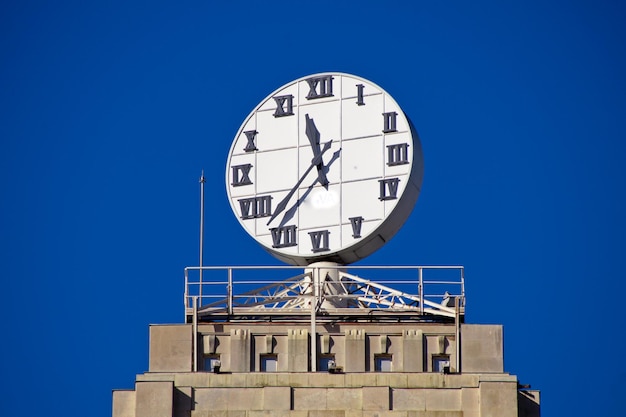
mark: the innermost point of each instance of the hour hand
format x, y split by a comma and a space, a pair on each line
314, 139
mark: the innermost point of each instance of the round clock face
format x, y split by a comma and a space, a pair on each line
326, 168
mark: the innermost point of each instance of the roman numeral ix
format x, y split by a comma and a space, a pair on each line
256, 207
320, 87
388, 189
241, 175
398, 154
284, 106
283, 237
319, 240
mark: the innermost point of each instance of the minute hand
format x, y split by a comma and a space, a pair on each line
283, 204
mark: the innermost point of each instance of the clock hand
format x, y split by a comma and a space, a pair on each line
292, 211
314, 139
283, 204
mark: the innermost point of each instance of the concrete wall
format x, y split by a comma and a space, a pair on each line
124, 403
353, 346
411, 348
306, 394
411, 389
171, 348
482, 349
154, 399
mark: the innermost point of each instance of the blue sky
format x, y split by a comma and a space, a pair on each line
109, 111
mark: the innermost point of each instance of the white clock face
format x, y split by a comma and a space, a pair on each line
326, 168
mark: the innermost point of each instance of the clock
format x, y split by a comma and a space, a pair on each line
325, 168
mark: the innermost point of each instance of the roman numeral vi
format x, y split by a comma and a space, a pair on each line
319, 240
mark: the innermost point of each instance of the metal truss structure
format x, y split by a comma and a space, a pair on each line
325, 292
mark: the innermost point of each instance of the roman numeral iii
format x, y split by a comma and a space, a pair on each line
398, 154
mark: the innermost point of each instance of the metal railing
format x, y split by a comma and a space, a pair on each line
286, 290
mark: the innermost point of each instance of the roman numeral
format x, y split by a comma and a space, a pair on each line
283, 237
284, 106
359, 95
241, 175
356, 222
250, 135
256, 207
388, 189
389, 122
398, 154
320, 87
319, 240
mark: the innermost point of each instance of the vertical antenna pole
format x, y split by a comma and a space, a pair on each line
202, 181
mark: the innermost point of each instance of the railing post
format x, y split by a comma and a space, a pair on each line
463, 285
421, 290
458, 333
186, 293
195, 333
229, 290
200, 286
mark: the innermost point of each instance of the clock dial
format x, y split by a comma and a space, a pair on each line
326, 168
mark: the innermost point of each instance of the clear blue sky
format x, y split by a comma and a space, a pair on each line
110, 110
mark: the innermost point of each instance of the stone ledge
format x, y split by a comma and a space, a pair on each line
155, 376
324, 380
497, 378
326, 413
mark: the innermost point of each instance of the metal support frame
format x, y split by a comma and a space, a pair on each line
345, 295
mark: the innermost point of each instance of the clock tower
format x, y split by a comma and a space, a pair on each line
322, 173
